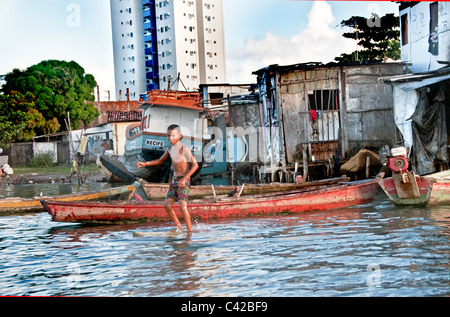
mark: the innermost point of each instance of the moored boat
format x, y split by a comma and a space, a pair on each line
310, 199
17, 205
406, 188
431, 190
158, 191
147, 140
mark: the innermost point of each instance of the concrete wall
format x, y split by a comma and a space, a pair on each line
416, 50
41, 148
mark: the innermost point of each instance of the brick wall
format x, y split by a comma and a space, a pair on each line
109, 106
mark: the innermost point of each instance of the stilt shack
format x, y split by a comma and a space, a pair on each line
320, 113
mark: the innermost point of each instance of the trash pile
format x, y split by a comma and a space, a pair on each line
6, 170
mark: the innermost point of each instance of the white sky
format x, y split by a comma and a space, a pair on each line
258, 33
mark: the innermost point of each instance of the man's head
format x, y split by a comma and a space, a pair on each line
298, 178
174, 134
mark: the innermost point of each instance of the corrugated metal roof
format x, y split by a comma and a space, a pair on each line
312, 65
417, 80
417, 76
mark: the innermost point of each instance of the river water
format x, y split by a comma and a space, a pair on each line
371, 250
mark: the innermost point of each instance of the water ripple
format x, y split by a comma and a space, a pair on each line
366, 251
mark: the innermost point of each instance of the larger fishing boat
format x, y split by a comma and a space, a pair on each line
147, 140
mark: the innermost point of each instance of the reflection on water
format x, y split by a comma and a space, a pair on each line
49, 189
372, 250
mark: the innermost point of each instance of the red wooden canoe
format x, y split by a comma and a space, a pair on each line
322, 198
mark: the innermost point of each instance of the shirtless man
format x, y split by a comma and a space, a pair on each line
180, 155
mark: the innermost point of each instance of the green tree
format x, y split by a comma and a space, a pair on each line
377, 37
18, 118
52, 88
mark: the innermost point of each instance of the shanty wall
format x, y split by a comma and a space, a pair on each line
367, 114
321, 135
354, 110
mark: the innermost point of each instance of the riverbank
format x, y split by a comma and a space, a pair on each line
56, 174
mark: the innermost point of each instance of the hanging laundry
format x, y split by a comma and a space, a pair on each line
313, 115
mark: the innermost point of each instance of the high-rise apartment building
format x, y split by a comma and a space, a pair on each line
155, 41
128, 48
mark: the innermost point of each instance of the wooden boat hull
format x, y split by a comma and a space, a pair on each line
158, 191
324, 198
117, 168
434, 190
15, 205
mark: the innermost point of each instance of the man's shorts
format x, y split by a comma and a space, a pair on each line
179, 193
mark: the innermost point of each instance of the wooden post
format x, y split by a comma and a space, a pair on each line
295, 172
233, 174
240, 191
367, 166
305, 165
75, 158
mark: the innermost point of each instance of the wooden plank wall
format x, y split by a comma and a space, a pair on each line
368, 113
321, 136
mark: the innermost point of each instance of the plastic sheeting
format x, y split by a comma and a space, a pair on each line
429, 134
404, 106
422, 125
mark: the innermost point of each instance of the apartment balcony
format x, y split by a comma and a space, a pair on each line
150, 87
146, 13
147, 25
149, 51
149, 75
148, 38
